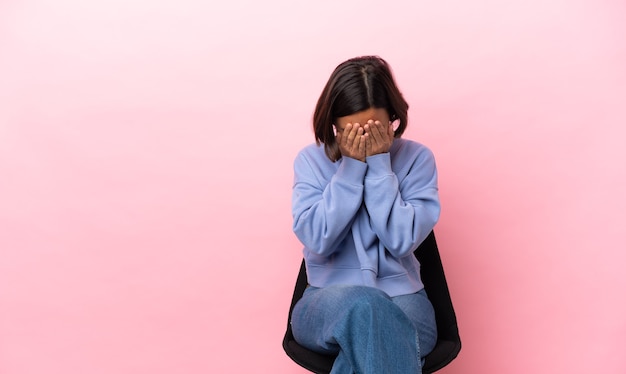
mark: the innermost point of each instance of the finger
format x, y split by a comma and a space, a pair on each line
368, 126
362, 145
388, 135
352, 135
347, 131
384, 132
357, 139
377, 135
366, 129
390, 132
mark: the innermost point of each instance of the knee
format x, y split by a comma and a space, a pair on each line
374, 309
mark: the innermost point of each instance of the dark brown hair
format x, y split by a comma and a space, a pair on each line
356, 85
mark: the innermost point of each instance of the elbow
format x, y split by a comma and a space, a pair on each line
316, 242
417, 232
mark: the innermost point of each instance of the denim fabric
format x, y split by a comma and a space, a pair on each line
370, 332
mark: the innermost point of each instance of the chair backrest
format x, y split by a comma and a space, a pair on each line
448, 340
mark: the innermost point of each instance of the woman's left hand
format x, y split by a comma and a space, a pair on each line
378, 137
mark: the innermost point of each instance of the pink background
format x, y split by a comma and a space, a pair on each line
146, 155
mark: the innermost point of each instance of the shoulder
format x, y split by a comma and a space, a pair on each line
312, 165
312, 153
410, 160
409, 151
311, 150
313, 156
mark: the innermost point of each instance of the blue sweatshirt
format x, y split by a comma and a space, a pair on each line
361, 221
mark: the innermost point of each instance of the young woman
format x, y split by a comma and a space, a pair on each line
363, 200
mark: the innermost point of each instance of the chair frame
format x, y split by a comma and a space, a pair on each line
448, 340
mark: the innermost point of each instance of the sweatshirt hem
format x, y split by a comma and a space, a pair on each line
393, 285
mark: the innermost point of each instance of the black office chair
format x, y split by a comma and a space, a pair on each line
448, 340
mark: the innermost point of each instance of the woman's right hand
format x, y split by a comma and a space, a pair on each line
351, 141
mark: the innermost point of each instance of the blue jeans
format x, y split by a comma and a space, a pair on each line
369, 331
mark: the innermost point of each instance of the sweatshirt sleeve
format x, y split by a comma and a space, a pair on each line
324, 211
402, 215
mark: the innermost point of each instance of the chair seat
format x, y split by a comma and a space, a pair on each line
443, 353
313, 361
448, 340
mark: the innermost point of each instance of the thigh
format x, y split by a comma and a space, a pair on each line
318, 312
420, 311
